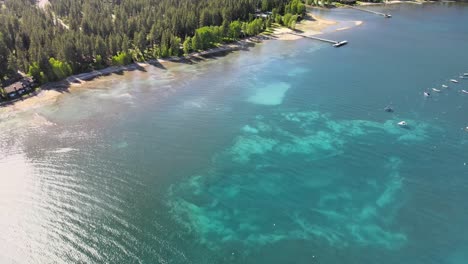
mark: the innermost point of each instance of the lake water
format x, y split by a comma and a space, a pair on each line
278, 154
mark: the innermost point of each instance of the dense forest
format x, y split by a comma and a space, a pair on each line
73, 36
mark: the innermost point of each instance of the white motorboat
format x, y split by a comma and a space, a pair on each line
427, 94
453, 80
436, 90
465, 74
403, 124
444, 86
341, 43
464, 91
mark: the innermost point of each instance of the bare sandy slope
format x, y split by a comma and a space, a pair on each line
42, 3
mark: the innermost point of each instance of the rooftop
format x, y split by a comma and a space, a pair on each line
18, 85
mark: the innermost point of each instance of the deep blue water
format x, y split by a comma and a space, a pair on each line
278, 154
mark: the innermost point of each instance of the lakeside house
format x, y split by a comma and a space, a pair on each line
17, 88
264, 15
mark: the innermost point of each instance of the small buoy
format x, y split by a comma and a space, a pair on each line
274, 224
232, 253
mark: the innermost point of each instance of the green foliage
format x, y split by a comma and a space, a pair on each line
254, 27
100, 33
37, 74
295, 7
187, 46
136, 54
265, 5
235, 29
292, 22
278, 19
60, 69
287, 19
4, 53
175, 46
207, 37
98, 63
122, 58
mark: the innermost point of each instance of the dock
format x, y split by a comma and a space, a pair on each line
335, 44
370, 11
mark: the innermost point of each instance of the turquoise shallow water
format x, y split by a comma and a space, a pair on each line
278, 154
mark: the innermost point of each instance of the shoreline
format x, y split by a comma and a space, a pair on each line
393, 2
50, 92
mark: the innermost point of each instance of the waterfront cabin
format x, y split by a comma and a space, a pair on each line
263, 15
18, 88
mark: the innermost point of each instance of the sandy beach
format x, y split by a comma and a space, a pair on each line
50, 92
310, 26
390, 2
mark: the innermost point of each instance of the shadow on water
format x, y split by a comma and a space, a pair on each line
157, 64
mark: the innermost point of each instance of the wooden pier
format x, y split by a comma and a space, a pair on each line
335, 44
370, 11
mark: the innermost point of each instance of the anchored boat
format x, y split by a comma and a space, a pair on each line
403, 124
341, 43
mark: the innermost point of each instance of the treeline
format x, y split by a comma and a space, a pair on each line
73, 36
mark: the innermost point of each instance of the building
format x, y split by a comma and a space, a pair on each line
18, 88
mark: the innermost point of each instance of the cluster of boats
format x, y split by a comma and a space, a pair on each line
463, 76
427, 94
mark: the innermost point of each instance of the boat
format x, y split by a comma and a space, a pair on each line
464, 91
465, 74
403, 124
444, 86
388, 109
341, 43
436, 90
453, 80
427, 94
